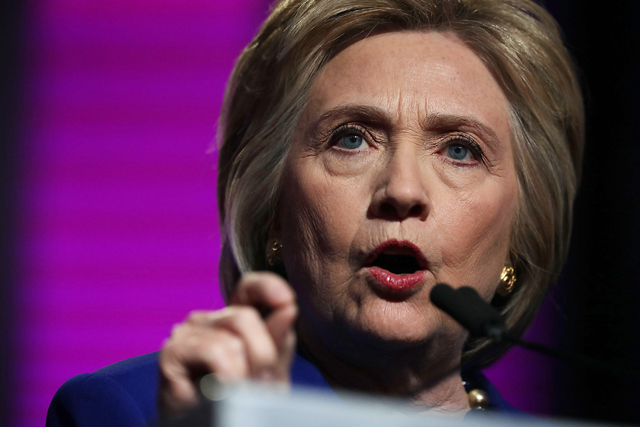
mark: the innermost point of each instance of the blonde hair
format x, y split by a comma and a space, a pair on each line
518, 41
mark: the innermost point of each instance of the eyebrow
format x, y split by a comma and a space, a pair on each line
365, 113
444, 122
435, 122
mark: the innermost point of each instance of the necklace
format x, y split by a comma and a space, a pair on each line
478, 398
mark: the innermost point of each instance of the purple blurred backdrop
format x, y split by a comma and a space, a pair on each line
119, 235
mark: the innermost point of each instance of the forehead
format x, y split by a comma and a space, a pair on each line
408, 72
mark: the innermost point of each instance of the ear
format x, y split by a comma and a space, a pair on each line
508, 259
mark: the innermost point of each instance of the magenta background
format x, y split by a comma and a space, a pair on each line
119, 225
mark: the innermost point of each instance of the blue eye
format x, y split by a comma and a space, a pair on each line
458, 152
352, 141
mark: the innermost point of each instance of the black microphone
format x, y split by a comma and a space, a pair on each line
469, 309
466, 307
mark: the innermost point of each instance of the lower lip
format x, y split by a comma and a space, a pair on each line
394, 281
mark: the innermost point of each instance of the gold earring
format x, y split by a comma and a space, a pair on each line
507, 280
274, 256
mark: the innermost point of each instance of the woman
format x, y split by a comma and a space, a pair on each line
371, 149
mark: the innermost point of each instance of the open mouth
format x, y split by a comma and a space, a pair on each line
397, 257
397, 264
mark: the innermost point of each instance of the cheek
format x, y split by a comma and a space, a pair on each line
475, 236
320, 216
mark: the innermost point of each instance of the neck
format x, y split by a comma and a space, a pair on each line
427, 377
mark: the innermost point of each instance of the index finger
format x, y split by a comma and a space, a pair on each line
263, 290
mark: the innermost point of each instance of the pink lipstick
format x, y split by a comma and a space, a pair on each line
394, 281
397, 265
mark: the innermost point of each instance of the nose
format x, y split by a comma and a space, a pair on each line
401, 193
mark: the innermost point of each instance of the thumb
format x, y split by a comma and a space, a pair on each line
280, 325
272, 296
265, 291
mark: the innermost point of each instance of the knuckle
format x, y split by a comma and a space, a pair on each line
180, 332
176, 329
248, 314
235, 348
196, 316
220, 346
227, 361
168, 348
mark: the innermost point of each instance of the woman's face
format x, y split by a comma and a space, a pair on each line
400, 176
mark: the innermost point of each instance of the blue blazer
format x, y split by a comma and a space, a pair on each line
125, 393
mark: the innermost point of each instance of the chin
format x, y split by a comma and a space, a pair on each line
396, 324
